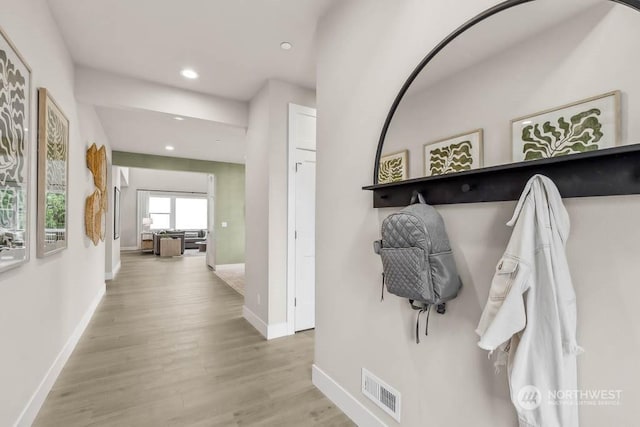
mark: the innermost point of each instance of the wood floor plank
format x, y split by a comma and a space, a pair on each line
168, 347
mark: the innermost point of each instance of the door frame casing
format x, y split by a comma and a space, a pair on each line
294, 109
212, 236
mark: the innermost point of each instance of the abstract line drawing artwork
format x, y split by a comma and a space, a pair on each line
393, 167
96, 204
454, 154
53, 166
15, 119
582, 126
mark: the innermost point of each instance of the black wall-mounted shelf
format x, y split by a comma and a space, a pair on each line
608, 172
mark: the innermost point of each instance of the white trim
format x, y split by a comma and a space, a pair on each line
114, 273
254, 320
139, 215
270, 332
30, 412
212, 235
352, 407
277, 330
294, 109
129, 248
124, 176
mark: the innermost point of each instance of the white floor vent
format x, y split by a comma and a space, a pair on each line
381, 394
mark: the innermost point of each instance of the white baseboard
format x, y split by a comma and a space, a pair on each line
114, 273
270, 332
344, 400
30, 412
254, 320
129, 248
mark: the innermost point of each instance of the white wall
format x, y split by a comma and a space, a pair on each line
92, 131
563, 65
256, 292
43, 302
366, 52
156, 180
266, 180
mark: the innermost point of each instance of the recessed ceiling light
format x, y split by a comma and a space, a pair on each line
26, 129
178, 118
189, 73
286, 46
169, 148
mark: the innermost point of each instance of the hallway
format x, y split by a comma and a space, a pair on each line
168, 346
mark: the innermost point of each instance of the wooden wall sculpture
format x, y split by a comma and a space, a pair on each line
97, 203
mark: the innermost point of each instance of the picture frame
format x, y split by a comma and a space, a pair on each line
394, 167
453, 154
17, 113
116, 213
551, 133
53, 176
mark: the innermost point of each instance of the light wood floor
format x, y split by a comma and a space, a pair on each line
233, 275
168, 347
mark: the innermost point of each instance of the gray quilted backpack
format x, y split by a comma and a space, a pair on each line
417, 260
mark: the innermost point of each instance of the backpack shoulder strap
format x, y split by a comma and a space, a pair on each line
424, 307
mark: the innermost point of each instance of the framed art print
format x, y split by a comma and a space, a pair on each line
393, 167
15, 121
454, 154
53, 175
588, 125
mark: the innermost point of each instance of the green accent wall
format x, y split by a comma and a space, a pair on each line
229, 196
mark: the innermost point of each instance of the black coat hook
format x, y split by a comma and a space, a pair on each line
417, 197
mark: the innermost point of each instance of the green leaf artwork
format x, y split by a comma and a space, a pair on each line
578, 135
451, 158
392, 168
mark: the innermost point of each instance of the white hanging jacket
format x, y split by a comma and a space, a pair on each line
530, 316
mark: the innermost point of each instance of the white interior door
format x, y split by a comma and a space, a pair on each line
305, 241
211, 221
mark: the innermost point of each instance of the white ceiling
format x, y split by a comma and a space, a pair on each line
148, 132
233, 44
